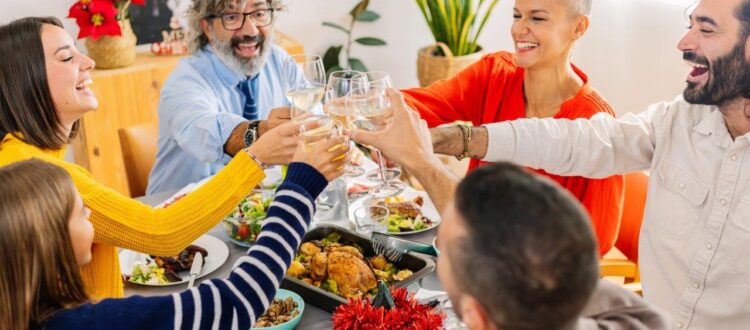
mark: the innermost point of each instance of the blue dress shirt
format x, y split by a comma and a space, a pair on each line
199, 106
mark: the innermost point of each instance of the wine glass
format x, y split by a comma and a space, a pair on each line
370, 107
313, 131
305, 80
339, 85
378, 81
317, 129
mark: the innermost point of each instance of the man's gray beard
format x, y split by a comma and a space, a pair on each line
243, 66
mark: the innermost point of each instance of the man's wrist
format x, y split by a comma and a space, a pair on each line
447, 140
262, 127
479, 142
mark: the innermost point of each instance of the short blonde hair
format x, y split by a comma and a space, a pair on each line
580, 7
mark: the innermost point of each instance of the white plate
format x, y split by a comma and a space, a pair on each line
428, 210
218, 252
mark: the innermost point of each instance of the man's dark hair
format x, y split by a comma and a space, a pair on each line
743, 15
26, 107
530, 256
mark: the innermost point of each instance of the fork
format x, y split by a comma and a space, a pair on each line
394, 248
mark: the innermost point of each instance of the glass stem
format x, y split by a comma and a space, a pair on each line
381, 165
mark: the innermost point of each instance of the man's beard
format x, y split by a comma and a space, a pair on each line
729, 78
224, 49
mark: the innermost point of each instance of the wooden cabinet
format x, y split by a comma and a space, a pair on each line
127, 96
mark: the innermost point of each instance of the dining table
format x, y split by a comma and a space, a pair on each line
312, 317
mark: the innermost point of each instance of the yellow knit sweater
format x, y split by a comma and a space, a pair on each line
120, 221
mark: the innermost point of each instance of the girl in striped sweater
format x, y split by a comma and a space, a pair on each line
46, 236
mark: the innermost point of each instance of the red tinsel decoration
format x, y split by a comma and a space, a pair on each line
408, 314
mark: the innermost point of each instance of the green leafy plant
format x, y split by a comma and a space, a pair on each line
454, 22
331, 59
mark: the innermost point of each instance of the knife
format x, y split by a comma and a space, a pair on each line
195, 269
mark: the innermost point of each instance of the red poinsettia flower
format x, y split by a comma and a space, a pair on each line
139, 2
95, 18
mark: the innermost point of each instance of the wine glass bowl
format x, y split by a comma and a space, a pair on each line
372, 113
304, 76
340, 84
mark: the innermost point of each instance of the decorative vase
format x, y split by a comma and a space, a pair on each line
111, 52
432, 67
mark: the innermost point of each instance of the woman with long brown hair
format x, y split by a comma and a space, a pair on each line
47, 235
44, 92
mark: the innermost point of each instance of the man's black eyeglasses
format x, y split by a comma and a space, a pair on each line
235, 21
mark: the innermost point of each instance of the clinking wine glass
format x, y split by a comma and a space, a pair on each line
377, 81
371, 114
305, 80
313, 131
339, 85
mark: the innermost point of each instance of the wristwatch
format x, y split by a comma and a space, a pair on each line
251, 134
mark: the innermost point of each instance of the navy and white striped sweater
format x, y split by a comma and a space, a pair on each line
233, 303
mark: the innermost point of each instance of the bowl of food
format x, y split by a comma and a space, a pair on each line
244, 223
284, 313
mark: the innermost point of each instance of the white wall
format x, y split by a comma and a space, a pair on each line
629, 52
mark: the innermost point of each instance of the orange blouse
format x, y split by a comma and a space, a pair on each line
491, 90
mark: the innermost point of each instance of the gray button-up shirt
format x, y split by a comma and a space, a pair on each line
695, 239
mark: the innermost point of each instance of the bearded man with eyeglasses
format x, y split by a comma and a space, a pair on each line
223, 97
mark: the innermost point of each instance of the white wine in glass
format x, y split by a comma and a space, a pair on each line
371, 106
340, 83
305, 79
317, 129
306, 98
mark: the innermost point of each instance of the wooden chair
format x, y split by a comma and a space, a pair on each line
138, 144
636, 186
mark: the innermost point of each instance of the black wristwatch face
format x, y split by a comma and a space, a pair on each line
251, 134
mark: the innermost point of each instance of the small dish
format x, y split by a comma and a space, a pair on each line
243, 225
291, 324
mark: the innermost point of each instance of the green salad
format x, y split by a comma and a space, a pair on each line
147, 274
243, 225
399, 223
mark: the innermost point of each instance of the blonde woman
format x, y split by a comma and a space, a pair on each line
538, 80
44, 92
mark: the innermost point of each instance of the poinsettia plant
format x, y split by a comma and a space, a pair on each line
407, 314
96, 18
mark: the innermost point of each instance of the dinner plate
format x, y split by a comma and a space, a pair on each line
428, 210
218, 253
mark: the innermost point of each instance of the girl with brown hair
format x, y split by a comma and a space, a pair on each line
47, 235
44, 92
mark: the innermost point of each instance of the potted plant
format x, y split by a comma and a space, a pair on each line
456, 26
105, 24
331, 59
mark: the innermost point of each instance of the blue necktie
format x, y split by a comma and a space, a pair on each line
249, 88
